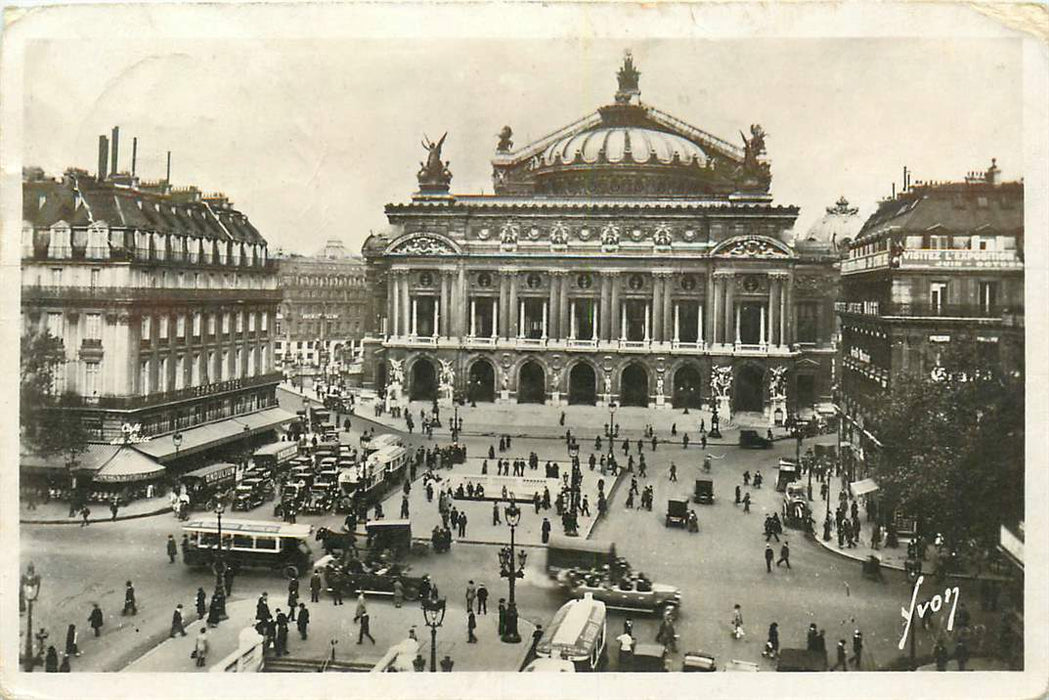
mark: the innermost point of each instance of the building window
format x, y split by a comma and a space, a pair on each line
988, 295
938, 295
264, 320
251, 322
180, 326
808, 322
225, 323
196, 370
147, 328
240, 321
92, 375
212, 322
94, 327
196, 324
939, 242
225, 365
162, 376
180, 372
163, 327
143, 378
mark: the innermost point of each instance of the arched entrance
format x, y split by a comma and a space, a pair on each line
688, 387
481, 386
424, 381
633, 386
582, 385
750, 381
531, 383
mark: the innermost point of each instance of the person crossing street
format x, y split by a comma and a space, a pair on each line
172, 549
784, 554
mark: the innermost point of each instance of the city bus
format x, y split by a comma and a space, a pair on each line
206, 484
275, 456
576, 634
380, 441
575, 553
249, 543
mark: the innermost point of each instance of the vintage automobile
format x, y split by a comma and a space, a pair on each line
796, 509
649, 658
628, 594
704, 492
677, 513
751, 439
787, 472
355, 575
317, 501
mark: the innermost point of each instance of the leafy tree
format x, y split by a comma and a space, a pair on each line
46, 428
953, 448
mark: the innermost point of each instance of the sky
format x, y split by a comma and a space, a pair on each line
311, 138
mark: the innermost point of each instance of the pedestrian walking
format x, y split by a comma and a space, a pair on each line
857, 649
130, 607
262, 608
495, 511
176, 622
64, 666
51, 660
769, 556
626, 651
200, 647
961, 654
584, 507
482, 599
784, 555
737, 622
336, 595
843, 660
85, 513
315, 586
293, 597
227, 579
462, 524
746, 502
202, 600
398, 593
673, 472
365, 627
404, 507
502, 616
303, 620
281, 621
737, 495
772, 645
215, 608
113, 508
72, 649
172, 549
471, 594
471, 625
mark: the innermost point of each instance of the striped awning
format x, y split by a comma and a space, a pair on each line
128, 465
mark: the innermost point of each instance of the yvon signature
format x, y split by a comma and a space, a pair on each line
949, 597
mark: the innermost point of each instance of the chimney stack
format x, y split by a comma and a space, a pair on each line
894, 190
134, 154
167, 179
116, 145
103, 157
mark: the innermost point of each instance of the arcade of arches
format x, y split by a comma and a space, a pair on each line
481, 385
582, 385
531, 383
688, 387
424, 381
633, 386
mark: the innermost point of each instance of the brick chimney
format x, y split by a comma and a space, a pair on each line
103, 157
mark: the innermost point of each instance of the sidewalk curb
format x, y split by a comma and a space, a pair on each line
77, 521
895, 567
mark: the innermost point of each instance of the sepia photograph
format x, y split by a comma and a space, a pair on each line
513, 339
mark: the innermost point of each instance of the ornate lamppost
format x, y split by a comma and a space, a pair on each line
433, 613
30, 584
610, 430
511, 567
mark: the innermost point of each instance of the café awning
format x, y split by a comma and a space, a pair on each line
128, 465
863, 486
203, 437
91, 459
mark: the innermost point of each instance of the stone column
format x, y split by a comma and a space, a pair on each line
606, 306
496, 320
504, 312
460, 303
546, 320
773, 310
738, 307
473, 318
406, 304
394, 286
553, 304
668, 286
657, 307
790, 312
513, 322
730, 309
712, 305
762, 339
677, 322
571, 322
520, 318
563, 327
415, 317
701, 337
648, 321
443, 330
615, 329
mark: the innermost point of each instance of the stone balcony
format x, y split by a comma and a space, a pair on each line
570, 345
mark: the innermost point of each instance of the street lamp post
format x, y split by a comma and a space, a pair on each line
433, 613
220, 561
512, 569
30, 591
610, 433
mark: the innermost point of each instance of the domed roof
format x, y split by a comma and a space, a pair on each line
623, 144
840, 224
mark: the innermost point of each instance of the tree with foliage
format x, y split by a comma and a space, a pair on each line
46, 429
953, 449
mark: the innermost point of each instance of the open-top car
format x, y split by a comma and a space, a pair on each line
353, 575
628, 593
